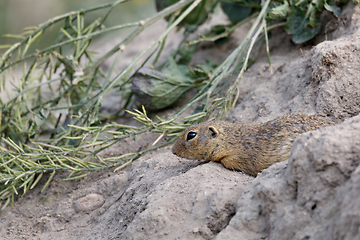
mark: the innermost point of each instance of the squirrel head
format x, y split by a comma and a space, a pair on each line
197, 141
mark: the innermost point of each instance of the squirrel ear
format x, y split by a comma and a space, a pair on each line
213, 132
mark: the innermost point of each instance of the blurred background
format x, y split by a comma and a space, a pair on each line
15, 15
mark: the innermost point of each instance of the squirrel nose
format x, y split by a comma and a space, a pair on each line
173, 149
178, 149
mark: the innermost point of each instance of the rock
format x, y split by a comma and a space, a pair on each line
89, 203
337, 74
167, 198
195, 205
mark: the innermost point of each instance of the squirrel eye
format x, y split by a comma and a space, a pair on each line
190, 136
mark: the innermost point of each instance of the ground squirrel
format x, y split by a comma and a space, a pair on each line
248, 147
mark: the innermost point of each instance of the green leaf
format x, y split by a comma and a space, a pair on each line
157, 90
307, 34
184, 55
300, 26
5, 46
331, 7
294, 21
313, 16
13, 36
319, 4
235, 12
203, 70
279, 11
162, 4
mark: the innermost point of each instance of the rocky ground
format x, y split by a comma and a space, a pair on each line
313, 195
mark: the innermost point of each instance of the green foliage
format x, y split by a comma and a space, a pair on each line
235, 12
52, 120
279, 11
195, 17
303, 16
157, 90
301, 27
332, 7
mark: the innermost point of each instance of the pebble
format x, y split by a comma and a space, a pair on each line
89, 203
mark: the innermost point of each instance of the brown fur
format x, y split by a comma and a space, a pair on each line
248, 147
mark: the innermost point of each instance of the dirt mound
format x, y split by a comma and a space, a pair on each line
313, 195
